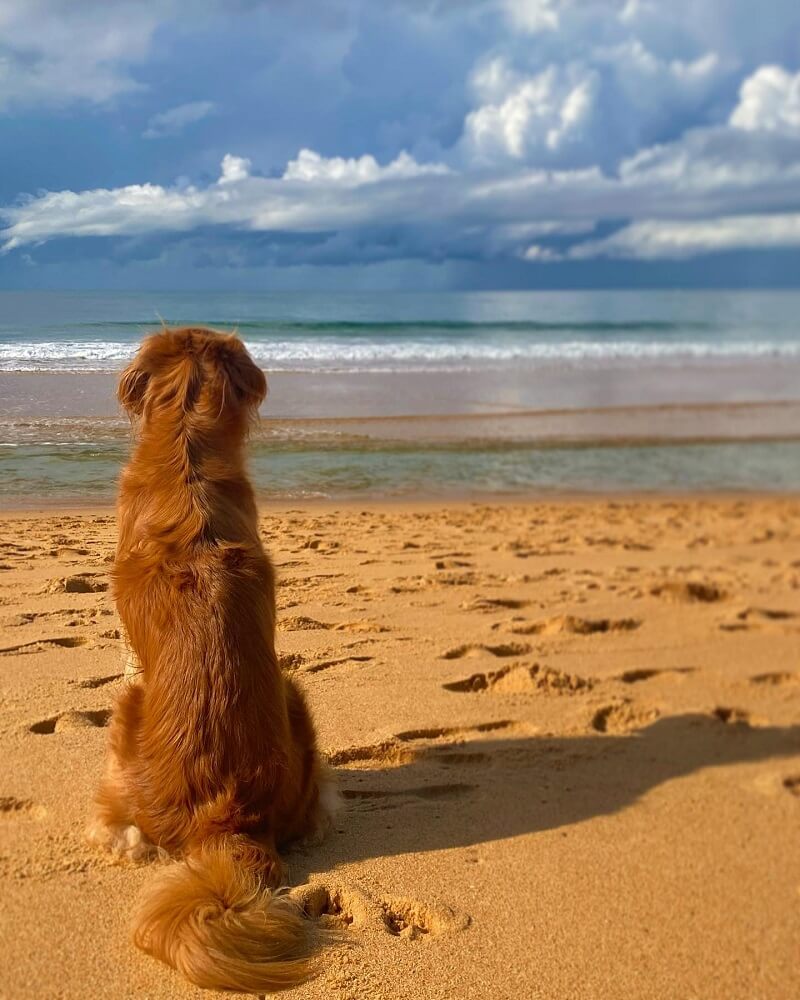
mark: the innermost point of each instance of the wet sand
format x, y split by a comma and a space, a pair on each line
567, 735
404, 393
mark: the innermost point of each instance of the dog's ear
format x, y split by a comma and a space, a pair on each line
132, 387
248, 382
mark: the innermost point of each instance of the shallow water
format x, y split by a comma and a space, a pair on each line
76, 473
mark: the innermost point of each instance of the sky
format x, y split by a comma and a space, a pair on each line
400, 144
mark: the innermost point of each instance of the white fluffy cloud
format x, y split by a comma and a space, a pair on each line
300, 201
681, 198
589, 87
175, 120
547, 111
310, 166
234, 169
667, 118
769, 100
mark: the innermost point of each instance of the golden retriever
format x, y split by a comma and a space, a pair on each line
213, 755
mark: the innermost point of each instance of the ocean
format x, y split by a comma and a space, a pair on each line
435, 394
446, 332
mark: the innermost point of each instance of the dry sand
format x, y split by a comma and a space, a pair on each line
567, 735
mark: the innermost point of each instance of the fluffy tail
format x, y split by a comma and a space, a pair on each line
212, 918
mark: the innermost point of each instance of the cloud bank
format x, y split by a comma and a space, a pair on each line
580, 129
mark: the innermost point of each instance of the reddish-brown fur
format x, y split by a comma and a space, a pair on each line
213, 754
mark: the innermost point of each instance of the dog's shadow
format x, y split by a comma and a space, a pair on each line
473, 792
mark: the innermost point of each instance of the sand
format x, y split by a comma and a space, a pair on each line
567, 736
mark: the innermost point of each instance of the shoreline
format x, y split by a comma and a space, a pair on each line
434, 504
363, 471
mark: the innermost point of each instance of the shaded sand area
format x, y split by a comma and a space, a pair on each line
567, 736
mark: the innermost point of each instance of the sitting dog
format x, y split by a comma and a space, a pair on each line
213, 754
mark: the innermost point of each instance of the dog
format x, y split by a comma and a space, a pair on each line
212, 755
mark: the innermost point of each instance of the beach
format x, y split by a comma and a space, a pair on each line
565, 733
489, 313
538, 567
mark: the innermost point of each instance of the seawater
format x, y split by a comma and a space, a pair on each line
78, 473
515, 336
80, 331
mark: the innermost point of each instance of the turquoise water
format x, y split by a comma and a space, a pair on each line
87, 473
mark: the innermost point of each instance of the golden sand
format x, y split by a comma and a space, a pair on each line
567, 736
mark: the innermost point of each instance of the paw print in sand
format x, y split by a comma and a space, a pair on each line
342, 908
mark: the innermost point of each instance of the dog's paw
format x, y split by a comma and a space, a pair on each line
329, 804
124, 843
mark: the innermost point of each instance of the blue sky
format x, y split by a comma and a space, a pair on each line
400, 144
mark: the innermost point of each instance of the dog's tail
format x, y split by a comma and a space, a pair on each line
213, 919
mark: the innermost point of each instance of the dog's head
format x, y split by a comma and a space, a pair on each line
193, 372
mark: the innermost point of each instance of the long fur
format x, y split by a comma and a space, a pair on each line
212, 750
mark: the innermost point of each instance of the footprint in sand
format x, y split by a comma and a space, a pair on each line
374, 797
476, 648
96, 682
571, 625
646, 674
456, 579
792, 784
74, 719
400, 749
343, 908
69, 552
755, 618
775, 679
359, 626
300, 623
439, 732
14, 808
84, 583
519, 679
298, 662
733, 716
315, 668
689, 591
20, 620
493, 604
291, 661
39, 645
623, 717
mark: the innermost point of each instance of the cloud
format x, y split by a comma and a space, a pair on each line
431, 210
234, 169
544, 112
300, 201
311, 167
769, 100
657, 239
534, 15
56, 52
590, 89
510, 130
175, 120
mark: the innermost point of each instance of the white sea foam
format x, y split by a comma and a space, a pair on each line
383, 354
